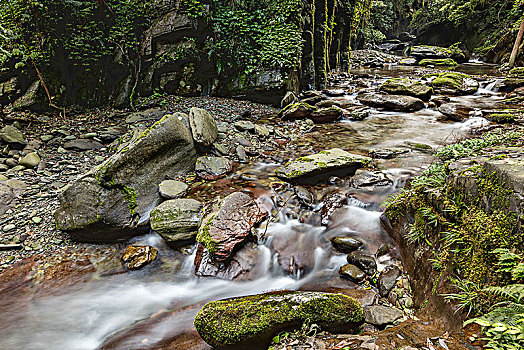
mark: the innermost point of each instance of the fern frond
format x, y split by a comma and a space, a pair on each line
513, 292
510, 314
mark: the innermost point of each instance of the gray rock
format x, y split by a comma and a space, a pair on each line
31, 99
318, 167
3, 178
244, 125
220, 150
387, 279
379, 315
387, 153
10, 134
241, 154
326, 115
30, 161
112, 201
352, 273
177, 220
408, 61
304, 195
261, 130
346, 244
455, 111
365, 178
82, 145
171, 189
203, 126
288, 99
392, 102
148, 114
407, 87
8, 227
212, 168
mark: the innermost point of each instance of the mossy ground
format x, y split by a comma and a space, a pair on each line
463, 217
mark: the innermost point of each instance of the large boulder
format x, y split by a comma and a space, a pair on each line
203, 126
438, 62
425, 51
300, 110
112, 201
317, 167
407, 87
250, 322
228, 226
455, 83
392, 102
326, 115
177, 221
30, 160
515, 77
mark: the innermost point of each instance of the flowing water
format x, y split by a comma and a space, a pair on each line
83, 316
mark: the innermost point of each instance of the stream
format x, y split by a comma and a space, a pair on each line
85, 315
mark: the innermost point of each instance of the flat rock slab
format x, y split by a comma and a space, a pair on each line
250, 322
10, 134
379, 315
82, 145
213, 168
407, 87
171, 189
392, 102
318, 167
229, 225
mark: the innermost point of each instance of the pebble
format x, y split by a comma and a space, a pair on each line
36, 219
9, 227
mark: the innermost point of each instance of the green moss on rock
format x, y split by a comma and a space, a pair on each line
255, 319
456, 83
448, 62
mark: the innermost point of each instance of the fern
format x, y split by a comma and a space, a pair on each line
514, 292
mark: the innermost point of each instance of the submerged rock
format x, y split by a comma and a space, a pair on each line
229, 225
455, 83
112, 201
177, 220
407, 87
318, 167
137, 256
250, 322
213, 168
392, 102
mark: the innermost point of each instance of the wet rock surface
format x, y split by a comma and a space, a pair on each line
392, 102
136, 257
212, 168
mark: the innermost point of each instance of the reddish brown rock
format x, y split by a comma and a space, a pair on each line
228, 226
137, 256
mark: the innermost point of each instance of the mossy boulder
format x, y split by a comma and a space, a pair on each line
10, 134
250, 322
112, 201
431, 52
447, 62
326, 115
228, 225
407, 87
392, 102
177, 220
502, 118
318, 167
455, 83
515, 77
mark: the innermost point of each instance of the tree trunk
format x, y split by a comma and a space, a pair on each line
320, 42
517, 45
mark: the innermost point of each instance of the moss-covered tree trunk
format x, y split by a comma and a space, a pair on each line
320, 43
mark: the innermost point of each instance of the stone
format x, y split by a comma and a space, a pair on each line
9, 195
330, 204
112, 201
455, 83
352, 273
203, 127
30, 160
261, 130
438, 62
229, 225
171, 189
300, 110
148, 114
10, 134
363, 261
9, 227
32, 99
241, 267
425, 51
379, 315
455, 111
387, 153
392, 102
177, 221
365, 178
346, 244
318, 167
289, 98
304, 195
387, 279
515, 77
32, 146
36, 219
3, 178
408, 61
82, 145
334, 92
230, 323
407, 87
213, 168
241, 154
220, 150
244, 125
326, 115
136, 256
